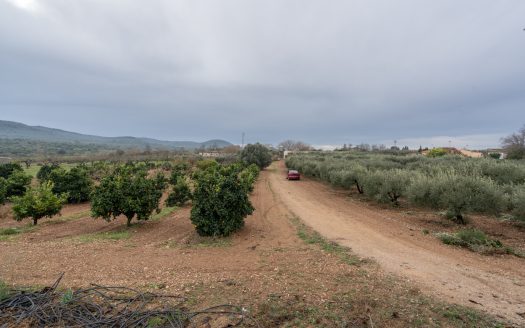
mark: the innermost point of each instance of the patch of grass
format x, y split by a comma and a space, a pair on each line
310, 236
460, 316
32, 170
4, 290
477, 241
156, 322
199, 242
164, 212
10, 233
101, 236
155, 285
71, 217
67, 297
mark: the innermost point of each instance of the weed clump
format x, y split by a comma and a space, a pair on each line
476, 241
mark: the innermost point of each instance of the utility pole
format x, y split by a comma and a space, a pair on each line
242, 143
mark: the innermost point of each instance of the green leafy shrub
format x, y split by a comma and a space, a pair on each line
179, 170
76, 183
206, 163
220, 201
37, 203
17, 183
256, 154
45, 171
3, 190
129, 192
495, 155
180, 194
248, 176
518, 203
475, 240
9, 168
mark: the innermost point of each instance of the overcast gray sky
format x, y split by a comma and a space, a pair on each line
326, 72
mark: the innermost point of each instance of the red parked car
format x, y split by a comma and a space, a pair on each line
293, 175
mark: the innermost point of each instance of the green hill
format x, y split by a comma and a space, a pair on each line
17, 139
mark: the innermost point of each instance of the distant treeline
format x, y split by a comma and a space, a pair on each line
31, 148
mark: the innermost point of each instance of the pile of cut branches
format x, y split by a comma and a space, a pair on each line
104, 306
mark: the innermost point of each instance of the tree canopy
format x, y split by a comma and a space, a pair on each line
38, 203
129, 192
256, 154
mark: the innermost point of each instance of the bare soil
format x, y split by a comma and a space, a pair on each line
395, 239
267, 268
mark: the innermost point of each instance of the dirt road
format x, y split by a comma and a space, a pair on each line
492, 284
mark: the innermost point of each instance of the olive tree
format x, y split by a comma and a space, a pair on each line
457, 194
387, 185
256, 154
127, 191
518, 203
38, 203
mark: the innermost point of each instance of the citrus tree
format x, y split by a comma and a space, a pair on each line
127, 191
17, 183
76, 183
180, 194
37, 203
3, 190
220, 201
9, 168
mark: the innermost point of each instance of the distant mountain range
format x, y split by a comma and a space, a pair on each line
23, 134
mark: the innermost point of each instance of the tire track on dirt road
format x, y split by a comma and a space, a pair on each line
492, 284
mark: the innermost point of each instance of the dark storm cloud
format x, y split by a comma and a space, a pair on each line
325, 72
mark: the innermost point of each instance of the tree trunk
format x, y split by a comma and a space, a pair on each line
460, 219
129, 221
35, 221
359, 188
